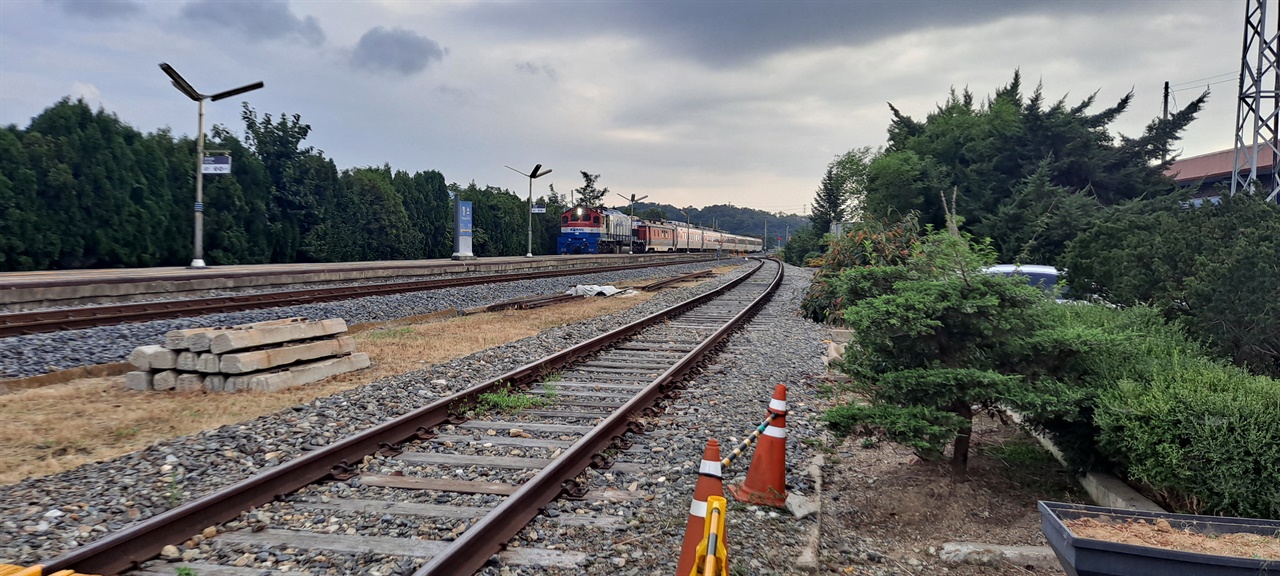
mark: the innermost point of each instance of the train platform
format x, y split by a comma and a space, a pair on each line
39, 289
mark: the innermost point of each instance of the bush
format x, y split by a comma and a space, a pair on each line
875, 245
1089, 349
1205, 436
1214, 268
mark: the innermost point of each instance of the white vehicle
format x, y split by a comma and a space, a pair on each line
1046, 278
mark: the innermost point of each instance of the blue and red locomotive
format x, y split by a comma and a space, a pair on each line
586, 230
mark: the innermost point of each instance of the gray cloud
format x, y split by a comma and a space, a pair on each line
536, 69
258, 20
726, 34
100, 8
396, 50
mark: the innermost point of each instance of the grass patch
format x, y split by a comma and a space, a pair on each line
509, 402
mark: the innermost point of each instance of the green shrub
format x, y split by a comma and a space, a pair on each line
1205, 436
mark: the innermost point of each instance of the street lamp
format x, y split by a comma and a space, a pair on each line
688, 230
184, 87
632, 249
531, 175
633, 201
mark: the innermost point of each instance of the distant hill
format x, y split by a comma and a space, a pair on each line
732, 219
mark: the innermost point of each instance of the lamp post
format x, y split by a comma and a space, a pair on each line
184, 87
632, 249
531, 175
688, 230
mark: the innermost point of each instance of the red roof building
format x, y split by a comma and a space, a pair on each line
1214, 168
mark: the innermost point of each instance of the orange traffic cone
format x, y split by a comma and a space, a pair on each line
709, 484
767, 477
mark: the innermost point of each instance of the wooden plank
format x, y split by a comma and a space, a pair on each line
588, 404
438, 484
380, 507
651, 373
279, 538
526, 426
598, 385
476, 487
627, 365
397, 508
610, 377
503, 439
202, 569
567, 414
583, 393
502, 462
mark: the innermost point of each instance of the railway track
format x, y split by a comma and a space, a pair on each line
39, 321
471, 470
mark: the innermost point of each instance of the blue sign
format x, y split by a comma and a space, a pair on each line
464, 219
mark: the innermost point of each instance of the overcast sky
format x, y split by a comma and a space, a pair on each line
691, 102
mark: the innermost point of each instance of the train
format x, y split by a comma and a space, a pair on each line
585, 230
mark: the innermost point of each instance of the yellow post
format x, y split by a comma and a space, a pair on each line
712, 557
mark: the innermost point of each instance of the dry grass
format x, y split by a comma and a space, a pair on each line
56, 428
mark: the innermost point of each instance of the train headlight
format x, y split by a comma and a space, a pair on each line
579, 212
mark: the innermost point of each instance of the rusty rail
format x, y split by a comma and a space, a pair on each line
133, 545
35, 322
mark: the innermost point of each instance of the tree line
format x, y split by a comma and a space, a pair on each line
80, 188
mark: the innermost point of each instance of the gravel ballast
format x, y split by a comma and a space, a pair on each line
36, 354
40, 518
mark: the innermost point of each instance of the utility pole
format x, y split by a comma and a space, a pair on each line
1164, 117
1258, 107
766, 234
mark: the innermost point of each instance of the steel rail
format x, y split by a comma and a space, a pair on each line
472, 550
39, 321
129, 547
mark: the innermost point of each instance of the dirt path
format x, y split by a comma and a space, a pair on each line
885, 511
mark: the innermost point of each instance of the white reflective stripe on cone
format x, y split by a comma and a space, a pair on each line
710, 467
776, 432
698, 509
778, 405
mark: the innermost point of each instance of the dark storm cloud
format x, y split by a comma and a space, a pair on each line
396, 50
100, 8
723, 33
259, 20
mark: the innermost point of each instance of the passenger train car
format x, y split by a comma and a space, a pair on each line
594, 231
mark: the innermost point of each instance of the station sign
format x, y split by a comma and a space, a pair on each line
539, 209
219, 164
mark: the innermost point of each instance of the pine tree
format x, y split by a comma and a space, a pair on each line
828, 204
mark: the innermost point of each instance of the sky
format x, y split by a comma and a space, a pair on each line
692, 103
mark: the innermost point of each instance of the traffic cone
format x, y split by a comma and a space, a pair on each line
709, 484
766, 482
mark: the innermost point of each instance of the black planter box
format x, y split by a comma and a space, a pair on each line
1089, 557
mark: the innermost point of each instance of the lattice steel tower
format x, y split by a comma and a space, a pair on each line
1258, 112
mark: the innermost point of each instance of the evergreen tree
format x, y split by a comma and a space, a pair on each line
828, 204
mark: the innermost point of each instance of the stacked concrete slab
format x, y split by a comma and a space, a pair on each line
265, 356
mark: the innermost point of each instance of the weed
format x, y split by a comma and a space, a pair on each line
818, 444
185, 571
868, 443
508, 402
550, 389
175, 489
554, 377
122, 433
